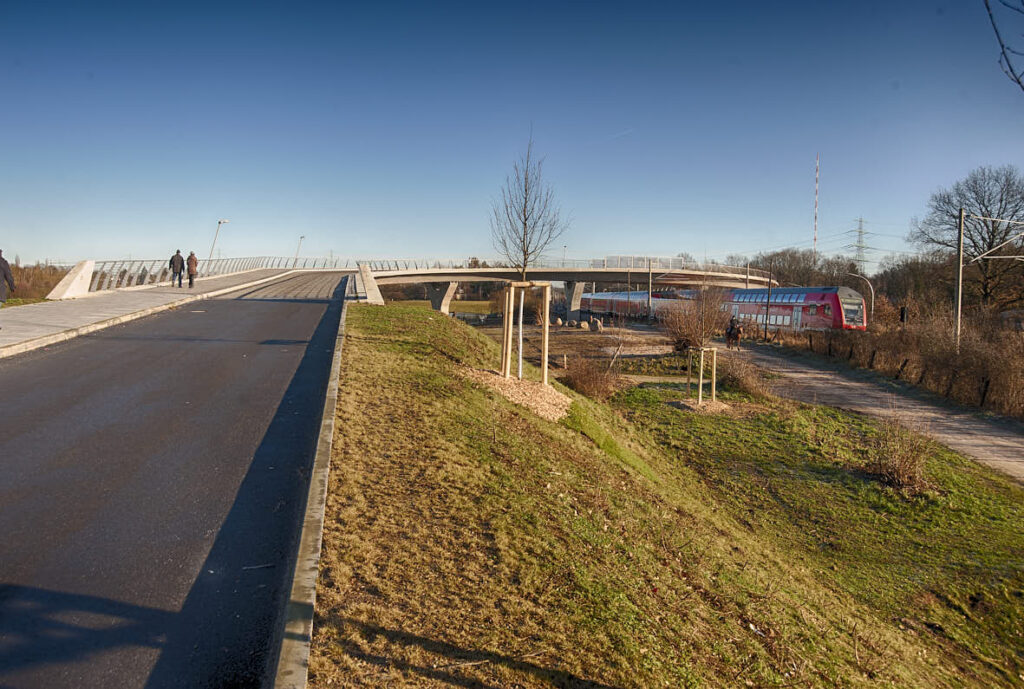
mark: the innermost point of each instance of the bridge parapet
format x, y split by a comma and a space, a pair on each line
98, 276
624, 263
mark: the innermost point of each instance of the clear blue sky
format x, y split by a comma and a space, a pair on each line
385, 129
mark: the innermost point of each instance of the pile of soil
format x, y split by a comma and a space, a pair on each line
705, 407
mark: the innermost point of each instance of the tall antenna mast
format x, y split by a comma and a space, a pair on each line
817, 167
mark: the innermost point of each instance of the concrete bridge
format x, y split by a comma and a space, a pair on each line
442, 280
441, 276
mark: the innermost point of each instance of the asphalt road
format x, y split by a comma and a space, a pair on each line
152, 481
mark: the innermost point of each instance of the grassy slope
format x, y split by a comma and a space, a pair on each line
483, 307
638, 545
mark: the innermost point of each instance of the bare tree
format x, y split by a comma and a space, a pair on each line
693, 322
991, 193
1008, 54
526, 219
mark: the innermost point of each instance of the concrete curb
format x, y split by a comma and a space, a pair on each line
293, 658
63, 336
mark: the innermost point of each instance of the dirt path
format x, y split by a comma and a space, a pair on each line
998, 443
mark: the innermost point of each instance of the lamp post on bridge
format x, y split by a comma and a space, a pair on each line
215, 234
296, 261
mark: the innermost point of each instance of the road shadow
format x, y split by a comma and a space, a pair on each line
39, 627
456, 657
228, 631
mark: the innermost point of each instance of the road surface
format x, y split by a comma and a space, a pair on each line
152, 481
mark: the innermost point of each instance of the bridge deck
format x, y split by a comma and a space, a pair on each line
22, 324
154, 477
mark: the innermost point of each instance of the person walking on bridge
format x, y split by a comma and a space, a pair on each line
177, 267
6, 278
193, 268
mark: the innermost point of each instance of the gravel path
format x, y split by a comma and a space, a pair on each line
996, 442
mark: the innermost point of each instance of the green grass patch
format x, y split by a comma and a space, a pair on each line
456, 306
16, 301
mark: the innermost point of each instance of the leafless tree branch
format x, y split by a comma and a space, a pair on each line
1014, 73
526, 219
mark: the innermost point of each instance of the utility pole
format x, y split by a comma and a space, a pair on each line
959, 277
768, 302
817, 167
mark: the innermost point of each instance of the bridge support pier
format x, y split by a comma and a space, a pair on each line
573, 299
441, 294
369, 286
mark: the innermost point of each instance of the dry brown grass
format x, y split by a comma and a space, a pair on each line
594, 378
35, 282
988, 372
693, 322
897, 456
741, 375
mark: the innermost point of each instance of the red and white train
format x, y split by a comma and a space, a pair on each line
791, 308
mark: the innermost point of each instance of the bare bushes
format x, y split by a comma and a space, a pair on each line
738, 374
896, 456
591, 377
988, 372
693, 322
35, 282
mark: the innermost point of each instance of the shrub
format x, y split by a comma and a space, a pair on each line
738, 374
693, 322
896, 456
988, 371
591, 377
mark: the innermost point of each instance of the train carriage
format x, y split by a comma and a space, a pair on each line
791, 308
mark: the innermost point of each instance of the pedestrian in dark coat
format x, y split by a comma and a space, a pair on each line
177, 267
193, 268
6, 278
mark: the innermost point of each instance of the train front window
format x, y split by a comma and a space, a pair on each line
853, 312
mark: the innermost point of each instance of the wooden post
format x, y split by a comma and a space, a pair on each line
689, 370
544, 340
714, 373
508, 333
522, 304
700, 379
650, 289
504, 332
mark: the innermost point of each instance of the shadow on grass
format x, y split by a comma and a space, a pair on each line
455, 657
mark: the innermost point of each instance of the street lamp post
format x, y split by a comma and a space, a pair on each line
871, 314
296, 261
215, 234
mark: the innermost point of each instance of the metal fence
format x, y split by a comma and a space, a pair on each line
638, 263
131, 273
114, 274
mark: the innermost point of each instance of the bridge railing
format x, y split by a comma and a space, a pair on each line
133, 273
637, 263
